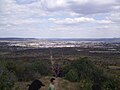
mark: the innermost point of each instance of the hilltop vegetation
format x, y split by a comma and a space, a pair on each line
81, 71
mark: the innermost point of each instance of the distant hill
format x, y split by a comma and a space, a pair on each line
17, 39
88, 39
64, 39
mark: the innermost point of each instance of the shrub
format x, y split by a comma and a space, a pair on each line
91, 75
65, 69
7, 79
40, 67
72, 76
112, 83
86, 84
84, 67
11, 66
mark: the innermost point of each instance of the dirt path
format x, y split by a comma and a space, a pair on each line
53, 69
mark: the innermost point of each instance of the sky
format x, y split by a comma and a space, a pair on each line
60, 18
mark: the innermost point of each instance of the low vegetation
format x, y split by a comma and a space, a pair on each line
82, 71
18, 67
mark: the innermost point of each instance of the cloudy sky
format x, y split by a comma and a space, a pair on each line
60, 18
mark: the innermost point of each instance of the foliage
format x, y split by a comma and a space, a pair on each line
65, 69
84, 67
11, 66
112, 83
86, 84
40, 67
88, 74
27, 71
72, 76
7, 79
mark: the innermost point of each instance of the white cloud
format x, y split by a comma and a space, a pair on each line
54, 4
81, 6
98, 2
71, 20
104, 21
79, 20
87, 18
115, 17
14, 14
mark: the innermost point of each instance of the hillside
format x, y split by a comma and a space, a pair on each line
21, 65
61, 84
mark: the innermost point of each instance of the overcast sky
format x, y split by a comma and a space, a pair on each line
60, 18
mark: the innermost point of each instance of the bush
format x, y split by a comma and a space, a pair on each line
11, 66
112, 83
65, 69
86, 84
7, 79
91, 75
84, 67
72, 76
40, 67
27, 71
